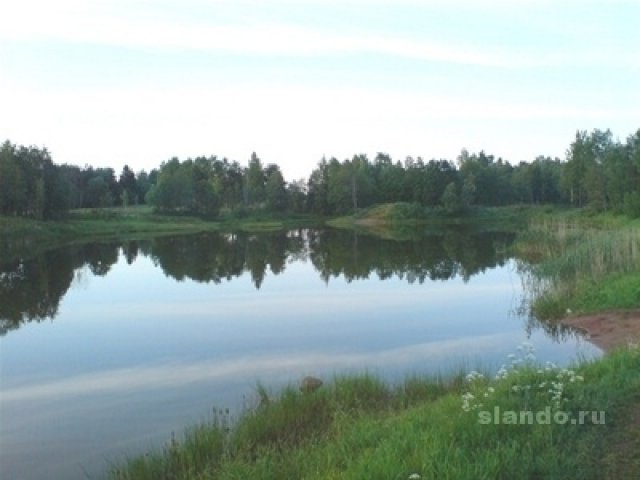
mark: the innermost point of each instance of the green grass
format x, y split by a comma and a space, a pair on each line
359, 427
403, 220
581, 263
613, 292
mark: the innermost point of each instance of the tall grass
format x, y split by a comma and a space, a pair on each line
282, 424
360, 428
565, 259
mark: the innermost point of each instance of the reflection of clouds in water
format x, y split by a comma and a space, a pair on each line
305, 304
176, 375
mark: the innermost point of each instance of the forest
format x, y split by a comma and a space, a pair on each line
599, 172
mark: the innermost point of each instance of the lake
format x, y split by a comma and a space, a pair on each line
107, 348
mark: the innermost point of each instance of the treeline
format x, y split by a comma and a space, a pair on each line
31, 185
599, 172
205, 185
602, 173
476, 179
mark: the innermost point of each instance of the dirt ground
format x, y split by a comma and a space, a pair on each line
608, 330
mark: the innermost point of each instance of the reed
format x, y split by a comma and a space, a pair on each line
359, 427
565, 260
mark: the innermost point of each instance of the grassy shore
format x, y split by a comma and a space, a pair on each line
358, 427
19, 235
397, 216
581, 263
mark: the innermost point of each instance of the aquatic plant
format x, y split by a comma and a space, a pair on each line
564, 263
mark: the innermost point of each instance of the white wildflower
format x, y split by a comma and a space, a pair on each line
502, 373
473, 375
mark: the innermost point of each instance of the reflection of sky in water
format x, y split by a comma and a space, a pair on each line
134, 355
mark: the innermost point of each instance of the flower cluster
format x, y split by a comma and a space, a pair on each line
557, 387
468, 403
551, 385
476, 381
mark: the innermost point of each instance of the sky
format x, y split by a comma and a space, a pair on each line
136, 82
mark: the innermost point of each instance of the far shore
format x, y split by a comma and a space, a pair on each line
608, 330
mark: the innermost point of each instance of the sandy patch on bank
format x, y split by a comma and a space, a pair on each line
608, 330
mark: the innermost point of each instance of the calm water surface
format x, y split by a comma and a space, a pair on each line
107, 348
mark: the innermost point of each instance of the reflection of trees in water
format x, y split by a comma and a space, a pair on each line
554, 329
355, 256
31, 289
533, 285
130, 251
333, 253
217, 257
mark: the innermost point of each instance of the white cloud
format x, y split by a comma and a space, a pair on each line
303, 117
176, 375
261, 39
147, 28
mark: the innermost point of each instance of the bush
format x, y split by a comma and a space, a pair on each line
631, 206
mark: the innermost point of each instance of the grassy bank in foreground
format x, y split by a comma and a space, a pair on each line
19, 235
581, 263
358, 427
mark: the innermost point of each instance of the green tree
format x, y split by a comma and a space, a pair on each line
318, 189
468, 193
186, 187
582, 171
97, 193
297, 196
128, 186
436, 175
174, 189
451, 199
276, 194
143, 185
362, 181
205, 197
13, 187
30, 184
255, 182
389, 180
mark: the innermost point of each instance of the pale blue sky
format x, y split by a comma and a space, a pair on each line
138, 81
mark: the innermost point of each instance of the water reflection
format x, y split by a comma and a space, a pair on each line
151, 334
181, 375
31, 288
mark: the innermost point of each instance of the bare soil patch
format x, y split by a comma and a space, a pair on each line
608, 330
